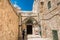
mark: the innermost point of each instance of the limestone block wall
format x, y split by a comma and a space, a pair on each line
8, 22
51, 22
53, 5
58, 27
49, 25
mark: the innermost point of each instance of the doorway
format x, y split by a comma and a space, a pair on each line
55, 34
29, 29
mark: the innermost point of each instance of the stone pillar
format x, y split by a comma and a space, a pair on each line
43, 30
19, 33
20, 27
59, 34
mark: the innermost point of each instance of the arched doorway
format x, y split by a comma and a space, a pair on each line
29, 25
32, 27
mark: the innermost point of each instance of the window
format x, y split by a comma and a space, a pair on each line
49, 4
55, 34
42, 3
58, 3
29, 29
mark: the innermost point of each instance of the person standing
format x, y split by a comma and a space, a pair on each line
23, 33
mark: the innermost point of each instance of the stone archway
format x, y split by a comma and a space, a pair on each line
28, 21
31, 27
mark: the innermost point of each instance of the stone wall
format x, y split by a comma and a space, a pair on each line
8, 22
50, 19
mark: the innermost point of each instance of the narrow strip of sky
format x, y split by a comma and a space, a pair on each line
26, 5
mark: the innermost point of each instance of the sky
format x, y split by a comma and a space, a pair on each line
25, 5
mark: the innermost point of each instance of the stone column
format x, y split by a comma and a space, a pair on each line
59, 34
19, 33
20, 27
43, 30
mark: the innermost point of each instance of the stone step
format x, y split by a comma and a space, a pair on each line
36, 37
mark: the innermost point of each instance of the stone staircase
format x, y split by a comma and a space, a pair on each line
36, 37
